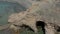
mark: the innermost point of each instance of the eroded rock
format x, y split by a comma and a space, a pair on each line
47, 11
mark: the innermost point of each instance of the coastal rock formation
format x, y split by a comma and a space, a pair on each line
47, 11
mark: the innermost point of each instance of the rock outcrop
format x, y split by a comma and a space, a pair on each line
47, 11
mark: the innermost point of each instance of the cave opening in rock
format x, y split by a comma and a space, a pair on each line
58, 30
41, 24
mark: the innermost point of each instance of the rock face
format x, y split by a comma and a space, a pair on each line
47, 11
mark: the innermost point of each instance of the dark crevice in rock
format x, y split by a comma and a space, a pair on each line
42, 24
58, 30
